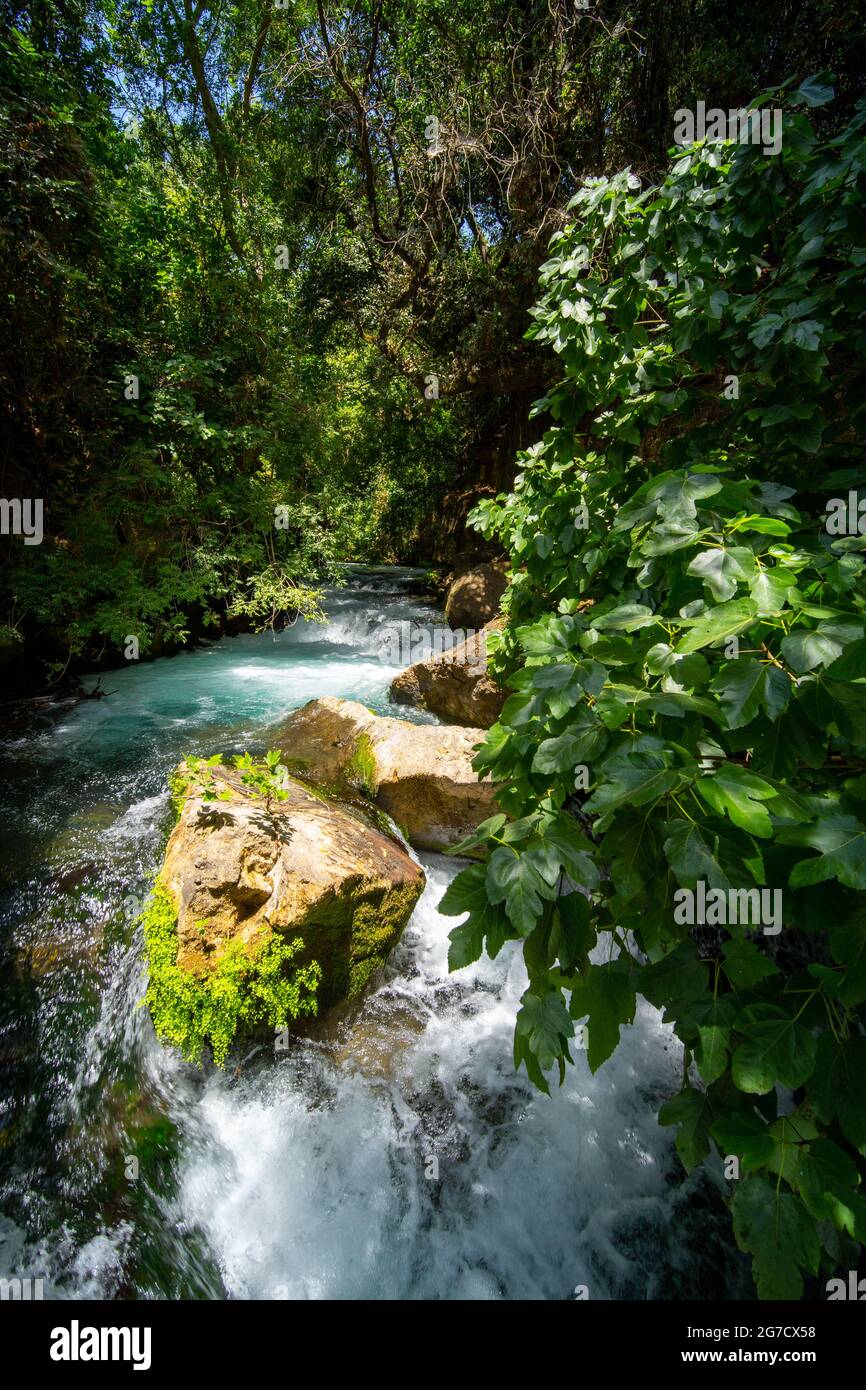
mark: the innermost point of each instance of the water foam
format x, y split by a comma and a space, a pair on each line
315, 1180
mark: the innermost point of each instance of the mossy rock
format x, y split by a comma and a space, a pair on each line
260, 917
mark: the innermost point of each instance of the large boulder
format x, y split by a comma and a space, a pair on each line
420, 774
474, 597
307, 867
455, 685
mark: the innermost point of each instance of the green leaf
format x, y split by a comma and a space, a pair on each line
630, 849
768, 589
465, 893
676, 979
564, 753
546, 1025
841, 842
572, 849
694, 1112
723, 570
805, 649
745, 966
467, 943
777, 1231
851, 665
711, 1053
513, 880
604, 996
745, 1134
724, 621
815, 91
746, 688
480, 836
660, 658
848, 945
691, 854
777, 1048
673, 496
834, 706
837, 1087
634, 786
826, 1178
625, 617
573, 935
739, 794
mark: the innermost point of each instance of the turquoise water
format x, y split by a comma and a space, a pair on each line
402, 1158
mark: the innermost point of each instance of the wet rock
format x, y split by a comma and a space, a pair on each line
474, 597
421, 775
455, 685
372, 1039
307, 868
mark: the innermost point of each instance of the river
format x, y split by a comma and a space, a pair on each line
405, 1161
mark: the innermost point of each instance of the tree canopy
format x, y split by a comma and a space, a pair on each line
268, 255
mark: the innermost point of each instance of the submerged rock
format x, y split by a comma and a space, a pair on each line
455, 685
421, 775
371, 1036
248, 889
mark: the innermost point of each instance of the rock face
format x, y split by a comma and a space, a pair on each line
420, 774
309, 868
473, 598
455, 685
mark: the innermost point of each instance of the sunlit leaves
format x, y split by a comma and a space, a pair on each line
739, 794
720, 719
725, 621
722, 571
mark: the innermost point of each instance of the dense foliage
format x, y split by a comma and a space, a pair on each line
266, 270
685, 647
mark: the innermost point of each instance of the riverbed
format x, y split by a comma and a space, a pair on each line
403, 1158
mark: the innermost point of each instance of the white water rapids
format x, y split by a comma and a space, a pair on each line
406, 1159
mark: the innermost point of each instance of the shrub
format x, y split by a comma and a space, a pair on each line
686, 654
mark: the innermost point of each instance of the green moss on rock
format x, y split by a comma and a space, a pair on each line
360, 770
263, 987
179, 784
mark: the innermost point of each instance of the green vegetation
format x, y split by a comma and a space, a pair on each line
687, 655
247, 989
360, 770
266, 293
265, 778
267, 275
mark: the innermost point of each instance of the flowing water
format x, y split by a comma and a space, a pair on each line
399, 1158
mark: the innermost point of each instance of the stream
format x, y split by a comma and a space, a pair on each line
401, 1158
